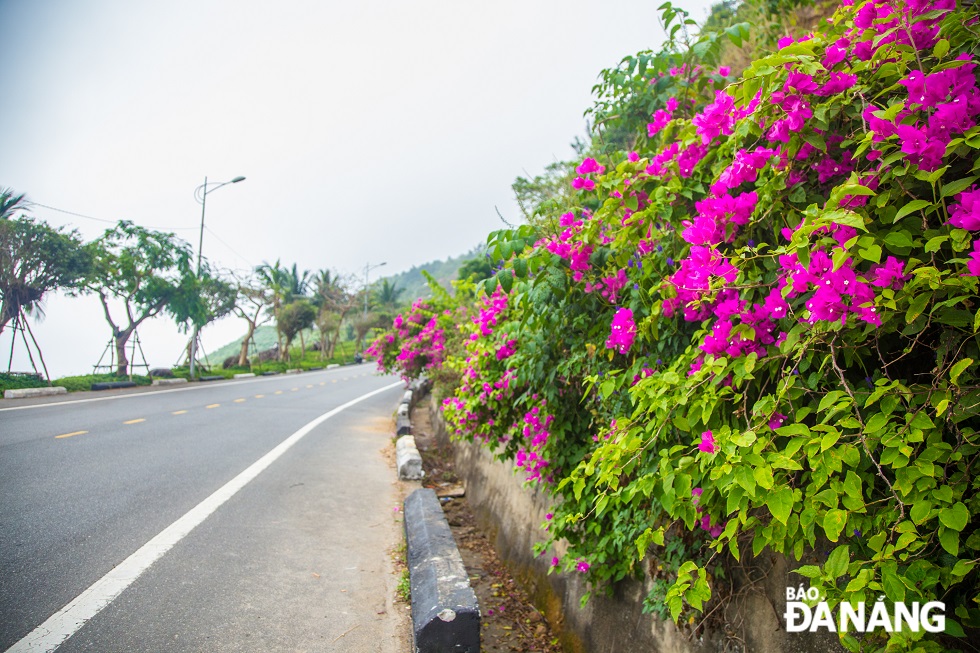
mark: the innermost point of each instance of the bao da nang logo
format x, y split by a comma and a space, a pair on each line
801, 616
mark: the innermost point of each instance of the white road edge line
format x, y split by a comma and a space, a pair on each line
67, 621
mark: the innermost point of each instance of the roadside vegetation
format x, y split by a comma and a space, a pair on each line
743, 322
318, 317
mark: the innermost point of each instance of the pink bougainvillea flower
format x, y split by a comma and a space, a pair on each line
716, 119
554, 561
588, 166
923, 148
973, 265
582, 566
581, 183
838, 83
713, 531
622, 331
965, 212
776, 421
708, 444
661, 118
889, 275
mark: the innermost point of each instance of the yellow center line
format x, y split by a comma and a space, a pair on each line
309, 386
212, 406
323, 383
68, 435
179, 412
239, 401
278, 392
334, 381
259, 396
294, 389
135, 421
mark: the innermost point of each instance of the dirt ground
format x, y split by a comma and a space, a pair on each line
510, 622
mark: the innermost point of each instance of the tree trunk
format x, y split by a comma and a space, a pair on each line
243, 355
302, 344
122, 362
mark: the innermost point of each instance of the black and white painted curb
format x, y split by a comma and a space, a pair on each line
445, 613
407, 456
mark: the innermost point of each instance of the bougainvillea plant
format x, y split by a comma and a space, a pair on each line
757, 330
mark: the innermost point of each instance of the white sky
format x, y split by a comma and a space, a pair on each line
368, 131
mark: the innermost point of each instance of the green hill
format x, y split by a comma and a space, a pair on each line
265, 338
445, 273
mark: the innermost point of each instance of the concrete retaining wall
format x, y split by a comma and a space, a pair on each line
512, 515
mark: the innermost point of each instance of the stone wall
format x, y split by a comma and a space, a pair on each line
512, 515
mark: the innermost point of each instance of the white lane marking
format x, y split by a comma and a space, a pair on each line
67, 621
220, 384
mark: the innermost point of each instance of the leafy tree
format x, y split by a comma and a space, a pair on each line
35, 258
334, 300
216, 298
476, 269
148, 272
252, 299
293, 319
284, 285
388, 295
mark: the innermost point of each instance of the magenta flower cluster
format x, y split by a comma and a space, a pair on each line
529, 455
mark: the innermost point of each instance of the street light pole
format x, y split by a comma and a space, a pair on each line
367, 269
204, 190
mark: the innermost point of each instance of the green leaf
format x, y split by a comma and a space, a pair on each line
520, 267
959, 368
898, 239
893, 586
940, 49
829, 440
950, 540
916, 306
780, 504
955, 517
506, 280
920, 511
837, 562
958, 186
934, 243
914, 205
833, 523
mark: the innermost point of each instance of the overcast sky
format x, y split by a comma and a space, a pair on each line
368, 131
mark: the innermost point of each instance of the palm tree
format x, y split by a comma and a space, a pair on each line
388, 295
275, 279
298, 284
10, 203
285, 286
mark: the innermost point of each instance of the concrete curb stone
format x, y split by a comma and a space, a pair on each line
23, 393
445, 613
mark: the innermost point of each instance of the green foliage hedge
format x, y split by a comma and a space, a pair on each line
756, 330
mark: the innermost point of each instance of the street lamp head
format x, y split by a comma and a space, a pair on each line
237, 179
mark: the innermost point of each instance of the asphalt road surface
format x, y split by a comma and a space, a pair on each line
211, 517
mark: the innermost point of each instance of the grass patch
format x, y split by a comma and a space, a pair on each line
15, 381
405, 587
84, 382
